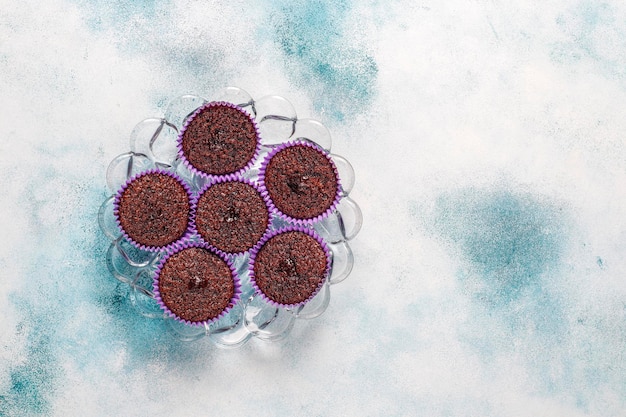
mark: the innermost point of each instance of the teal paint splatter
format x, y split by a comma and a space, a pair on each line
31, 382
591, 31
511, 241
71, 309
180, 61
102, 14
512, 247
320, 56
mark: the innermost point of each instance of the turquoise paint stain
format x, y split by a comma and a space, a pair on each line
510, 240
591, 30
144, 30
320, 57
512, 247
102, 14
71, 309
31, 382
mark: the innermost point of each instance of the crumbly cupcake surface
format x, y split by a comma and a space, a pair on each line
231, 216
290, 267
301, 182
195, 284
219, 140
154, 210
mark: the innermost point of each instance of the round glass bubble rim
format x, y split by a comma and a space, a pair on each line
153, 145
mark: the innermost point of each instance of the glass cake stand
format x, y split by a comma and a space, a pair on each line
153, 145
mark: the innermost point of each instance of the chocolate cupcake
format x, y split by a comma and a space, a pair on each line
288, 267
153, 210
195, 284
219, 138
230, 214
301, 181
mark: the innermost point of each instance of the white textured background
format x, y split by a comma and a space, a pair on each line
488, 142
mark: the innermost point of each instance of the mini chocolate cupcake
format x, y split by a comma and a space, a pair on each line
196, 284
301, 182
230, 214
219, 138
153, 209
289, 266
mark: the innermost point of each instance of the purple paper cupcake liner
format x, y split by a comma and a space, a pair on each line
223, 179
196, 171
276, 210
191, 244
116, 204
294, 228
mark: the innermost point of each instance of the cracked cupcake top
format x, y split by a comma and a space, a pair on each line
301, 181
195, 284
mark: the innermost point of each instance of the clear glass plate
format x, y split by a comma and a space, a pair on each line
153, 145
